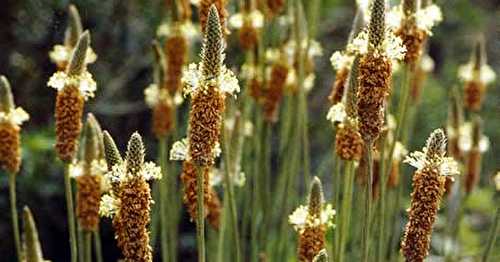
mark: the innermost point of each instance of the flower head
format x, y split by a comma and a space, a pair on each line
180, 150
466, 139
433, 154
299, 219
254, 17
425, 18
391, 46
337, 113
185, 28
486, 74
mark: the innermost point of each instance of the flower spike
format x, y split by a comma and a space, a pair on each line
75, 27
77, 64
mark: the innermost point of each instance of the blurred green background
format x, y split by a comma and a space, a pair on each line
121, 35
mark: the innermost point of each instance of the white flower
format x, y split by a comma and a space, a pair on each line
340, 60
16, 116
180, 150
447, 166
216, 176
300, 218
84, 82
399, 151
255, 17
154, 95
229, 124
465, 140
392, 46
337, 113
97, 168
486, 74
62, 54
425, 18
426, 63
119, 174
186, 28
193, 80
309, 82
314, 50
109, 206
76, 169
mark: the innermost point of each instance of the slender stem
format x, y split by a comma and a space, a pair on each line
383, 186
402, 111
492, 237
200, 218
222, 233
368, 202
15, 220
81, 242
71, 214
98, 246
346, 210
88, 246
164, 229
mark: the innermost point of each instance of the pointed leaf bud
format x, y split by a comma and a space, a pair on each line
32, 248
90, 144
6, 98
74, 29
316, 199
135, 154
377, 24
436, 145
160, 66
77, 63
213, 46
99, 135
111, 152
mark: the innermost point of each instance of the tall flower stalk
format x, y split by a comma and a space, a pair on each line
31, 244
311, 222
11, 119
208, 84
129, 201
428, 188
74, 86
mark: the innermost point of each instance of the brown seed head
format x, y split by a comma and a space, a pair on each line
132, 220
249, 35
338, 86
88, 199
188, 178
275, 6
428, 189
10, 147
68, 115
176, 49
373, 87
413, 39
474, 92
274, 91
311, 242
348, 142
77, 63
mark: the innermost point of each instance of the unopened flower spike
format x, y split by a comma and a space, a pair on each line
61, 54
32, 249
204, 14
111, 152
479, 144
11, 119
428, 188
311, 222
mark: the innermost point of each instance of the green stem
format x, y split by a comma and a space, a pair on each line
492, 237
222, 233
368, 202
200, 216
81, 242
15, 220
98, 246
346, 210
383, 186
71, 214
164, 229
88, 246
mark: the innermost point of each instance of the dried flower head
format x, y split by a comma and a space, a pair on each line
176, 52
32, 250
275, 6
274, 92
61, 54
428, 189
11, 119
348, 141
130, 204
311, 222
249, 24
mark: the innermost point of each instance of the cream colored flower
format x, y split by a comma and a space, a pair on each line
426, 63
186, 28
425, 18
216, 177
247, 126
399, 151
255, 17
149, 171
180, 150
465, 141
16, 116
62, 54
447, 165
109, 206
314, 50
194, 82
97, 168
153, 95
300, 218
337, 113
392, 46
340, 60
486, 75
84, 82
